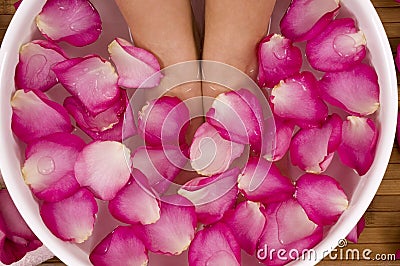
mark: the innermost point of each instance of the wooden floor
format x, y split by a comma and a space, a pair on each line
382, 233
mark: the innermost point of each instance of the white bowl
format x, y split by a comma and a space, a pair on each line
361, 190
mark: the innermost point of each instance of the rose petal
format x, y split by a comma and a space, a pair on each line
120, 247
136, 67
71, 219
214, 245
277, 136
322, 198
75, 22
238, 117
355, 90
33, 71
338, 47
164, 121
210, 154
359, 138
312, 149
104, 167
356, 231
305, 19
91, 79
262, 181
270, 239
297, 100
159, 165
35, 116
175, 229
49, 166
278, 59
212, 196
246, 223
397, 59
17, 4
136, 202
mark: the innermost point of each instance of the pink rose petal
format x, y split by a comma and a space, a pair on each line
355, 90
305, 19
71, 219
49, 166
322, 198
76, 22
277, 136
16, 239
214, 245
164, 121
136, 67
121, 247
210, 154
33, 71
356, 231
278, 59
297, 100
297, 225
339, 47
104, 168
359, 138
212, 196
237, 115
174, 231
246, 223
159, 165
17, 4
35, 116
136, 202
91, 79
397, 59
262, 181
312, 149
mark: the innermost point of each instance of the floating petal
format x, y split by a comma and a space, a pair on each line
356, 231
277, 136
76, 22
104, 168
136, 67
359, 138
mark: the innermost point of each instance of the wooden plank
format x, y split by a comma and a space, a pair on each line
4, 21
392, 172
389, 187
388, 14
7, 7
394, 42
380, 235
395, 156
392, 29
385, 204
382, 219
385, 3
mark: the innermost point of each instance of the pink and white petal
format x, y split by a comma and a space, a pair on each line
322, 198
33, 71
80, 24
305, 19
164, 121
136, 202
104, 168
71, 219
277, 137
211, 154
136, 67
174, 231
237, 115
270, 237
214, 245
355, 90
278, 59
121, 247
159, 164
312, 149
212, 196
35, 116
297, 100
246, 223
49, 166
356, 231
262, 181
359, 138
339, 47
91, 79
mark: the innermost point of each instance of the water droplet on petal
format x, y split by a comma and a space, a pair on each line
45, 165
